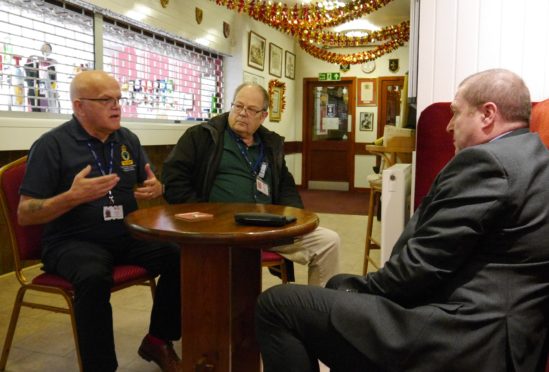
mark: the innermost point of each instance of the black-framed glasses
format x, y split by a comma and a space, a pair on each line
238, 108
111, 101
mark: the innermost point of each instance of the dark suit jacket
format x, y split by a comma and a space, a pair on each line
467, 286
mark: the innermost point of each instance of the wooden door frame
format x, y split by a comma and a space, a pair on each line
305, 128
383, 101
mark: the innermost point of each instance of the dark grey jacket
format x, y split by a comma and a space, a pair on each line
467, 286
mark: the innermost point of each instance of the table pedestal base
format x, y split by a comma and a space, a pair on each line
222, 283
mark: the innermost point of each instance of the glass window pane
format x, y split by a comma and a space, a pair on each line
42, 47
160, 78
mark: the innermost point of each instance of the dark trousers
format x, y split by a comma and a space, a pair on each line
88, 266
294, 331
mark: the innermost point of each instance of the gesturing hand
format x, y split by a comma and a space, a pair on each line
86, 189
152, 188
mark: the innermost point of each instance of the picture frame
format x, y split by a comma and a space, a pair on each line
366, 121
275, 113
275, 60
367, 92
289, 65
253, 78
256, 51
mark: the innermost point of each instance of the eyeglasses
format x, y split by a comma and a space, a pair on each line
238, 108
106, 101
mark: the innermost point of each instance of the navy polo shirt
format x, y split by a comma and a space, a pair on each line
61, 153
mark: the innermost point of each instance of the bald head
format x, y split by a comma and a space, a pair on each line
260, 90
502, 87
90, 83
95, 97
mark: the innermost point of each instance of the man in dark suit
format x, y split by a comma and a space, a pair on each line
467, 285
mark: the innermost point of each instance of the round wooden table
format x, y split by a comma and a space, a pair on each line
220, 276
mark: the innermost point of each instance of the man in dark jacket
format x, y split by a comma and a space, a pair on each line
233, 158
467, 285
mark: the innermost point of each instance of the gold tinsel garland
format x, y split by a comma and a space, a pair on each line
337, 39
298, 17
305, 22
279, 84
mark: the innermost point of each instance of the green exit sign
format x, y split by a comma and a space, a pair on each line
329, 76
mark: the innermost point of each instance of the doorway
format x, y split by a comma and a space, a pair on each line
328, 134
390, 102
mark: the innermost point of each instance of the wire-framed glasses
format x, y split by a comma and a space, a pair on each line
238, 108
111, 101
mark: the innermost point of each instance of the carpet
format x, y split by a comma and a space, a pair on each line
336, 202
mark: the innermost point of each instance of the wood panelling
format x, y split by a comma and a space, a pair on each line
293, 147
360, 148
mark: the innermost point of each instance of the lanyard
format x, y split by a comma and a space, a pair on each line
100, 165
255, 167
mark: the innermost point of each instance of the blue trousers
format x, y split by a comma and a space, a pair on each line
88, 266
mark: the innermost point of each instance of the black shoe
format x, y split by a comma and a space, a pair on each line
163, 355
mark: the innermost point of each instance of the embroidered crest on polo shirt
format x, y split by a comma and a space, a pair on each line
127, 163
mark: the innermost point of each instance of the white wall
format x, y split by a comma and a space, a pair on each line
460, 37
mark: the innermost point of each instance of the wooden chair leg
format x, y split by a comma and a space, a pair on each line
152, 284
372, 213
283, 273
11, 328
74, 332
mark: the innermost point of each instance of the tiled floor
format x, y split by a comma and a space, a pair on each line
43, 340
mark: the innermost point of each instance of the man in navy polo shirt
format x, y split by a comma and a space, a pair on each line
80, 182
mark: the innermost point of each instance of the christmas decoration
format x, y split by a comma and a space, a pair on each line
278, 84
306, 24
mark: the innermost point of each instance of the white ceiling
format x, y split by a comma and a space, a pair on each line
393, 13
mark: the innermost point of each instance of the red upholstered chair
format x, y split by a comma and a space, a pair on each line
434, 147
276, 263
26, 246
539, 121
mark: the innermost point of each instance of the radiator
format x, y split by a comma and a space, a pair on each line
395, 206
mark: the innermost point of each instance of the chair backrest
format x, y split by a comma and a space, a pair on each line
539, 121
434, 147
25, 240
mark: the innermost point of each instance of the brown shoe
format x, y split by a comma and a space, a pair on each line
163, 355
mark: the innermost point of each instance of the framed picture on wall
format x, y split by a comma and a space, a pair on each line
366, 121
367, 92
289, 70
275, 60
256, 51
253, 78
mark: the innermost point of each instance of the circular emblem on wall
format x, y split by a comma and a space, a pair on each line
164, 3
368, 67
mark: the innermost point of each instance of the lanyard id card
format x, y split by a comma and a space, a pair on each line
262, 186
113, 212
262, 169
